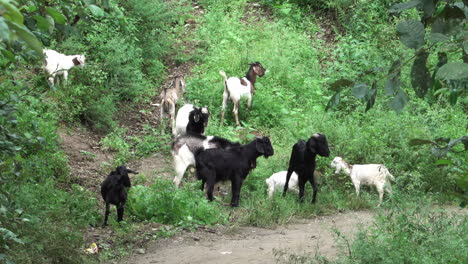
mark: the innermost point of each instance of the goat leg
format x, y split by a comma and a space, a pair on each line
235, 188
120, 212
286, 185
106, 214
314, 187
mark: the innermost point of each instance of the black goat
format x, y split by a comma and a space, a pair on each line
234, 164
303, 162
113, 190
184, 149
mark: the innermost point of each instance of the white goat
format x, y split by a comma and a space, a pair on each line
366, 174
277, 181
236, 88
58, 64
169, 98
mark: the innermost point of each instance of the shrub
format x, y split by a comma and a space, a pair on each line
162, 203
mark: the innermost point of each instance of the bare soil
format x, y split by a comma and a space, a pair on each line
257, 245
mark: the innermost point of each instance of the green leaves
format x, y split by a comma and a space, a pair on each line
337, 86
372, 94
96, 11
393, 83
26, 36
4, 32
11, 12
403, 6
453, 71
12, 23
360, 90
411, 33
438, 37
399, 101
420, 76
57, 16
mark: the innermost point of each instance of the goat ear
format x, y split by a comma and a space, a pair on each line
312, 145
260, 145
76, 61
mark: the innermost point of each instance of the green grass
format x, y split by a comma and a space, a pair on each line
288, 105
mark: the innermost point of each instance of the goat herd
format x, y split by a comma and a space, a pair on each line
217, 159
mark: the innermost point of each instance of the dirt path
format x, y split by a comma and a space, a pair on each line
256, 245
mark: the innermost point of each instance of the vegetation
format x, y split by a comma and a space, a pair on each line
313, 51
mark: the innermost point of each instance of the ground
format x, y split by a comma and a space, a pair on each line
257, 245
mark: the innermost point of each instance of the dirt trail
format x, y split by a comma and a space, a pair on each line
257, 245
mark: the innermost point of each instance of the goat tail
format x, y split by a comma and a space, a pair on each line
225, 82
386, 173
224, 75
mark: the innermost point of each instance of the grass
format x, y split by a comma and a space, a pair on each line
288, 105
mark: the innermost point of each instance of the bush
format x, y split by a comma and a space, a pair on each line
162, 203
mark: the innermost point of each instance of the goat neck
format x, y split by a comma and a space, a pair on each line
252, 77
251, 153
347, 168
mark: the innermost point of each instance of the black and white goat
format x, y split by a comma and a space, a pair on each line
236, 88
191, 120
302, 162
233, 164
58, 64
114, 191
184, 149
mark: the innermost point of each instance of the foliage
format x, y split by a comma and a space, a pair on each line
412, 235
454, 159
445, 21
185, 207
409, 233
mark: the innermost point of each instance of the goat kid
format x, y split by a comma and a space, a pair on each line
366, 174
169, 98
191, 120
233, 164
302, 162
113, 191
236, 88
58, 64
184, 149
277, 181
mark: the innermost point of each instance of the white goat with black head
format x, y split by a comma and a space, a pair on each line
58, 64
366, 174
236, 88
191, 119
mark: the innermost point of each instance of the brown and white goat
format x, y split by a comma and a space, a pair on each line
236, 88
169, 98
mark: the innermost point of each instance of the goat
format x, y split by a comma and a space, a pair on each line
277, 181
191, 119
366, 174
58, 64
169, 98
234, 164
302, 162
235, 88
185, 147
113, 190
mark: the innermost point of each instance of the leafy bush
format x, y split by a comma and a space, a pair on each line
413, 235
162, 203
